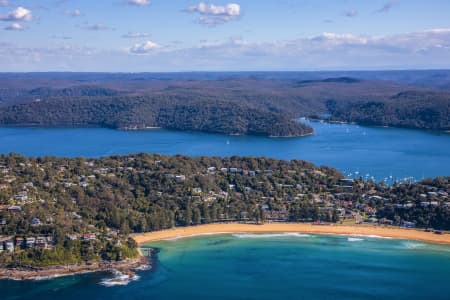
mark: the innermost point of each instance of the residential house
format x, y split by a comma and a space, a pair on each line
14, 208
88, 236
9, 246
30, 242
35, 222
72, 236
180, 178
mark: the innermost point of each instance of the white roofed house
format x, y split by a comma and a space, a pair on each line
9, 246
180, 178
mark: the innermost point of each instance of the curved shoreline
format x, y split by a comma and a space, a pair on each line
127, 266
228, 228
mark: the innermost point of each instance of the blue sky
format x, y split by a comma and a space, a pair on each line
185, 35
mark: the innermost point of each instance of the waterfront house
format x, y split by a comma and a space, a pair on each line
407, 224
386, 221
346, 181
341, 212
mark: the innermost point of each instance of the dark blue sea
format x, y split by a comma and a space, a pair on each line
369, 152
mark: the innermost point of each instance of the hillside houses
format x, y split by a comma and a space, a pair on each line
11, 244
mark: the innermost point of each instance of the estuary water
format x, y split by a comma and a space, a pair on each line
369, 152
268, 266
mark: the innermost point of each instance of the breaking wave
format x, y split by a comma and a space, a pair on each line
119, 279
413, 245
354, 239
269, 235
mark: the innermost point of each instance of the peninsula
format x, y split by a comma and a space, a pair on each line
247, 104
70, 215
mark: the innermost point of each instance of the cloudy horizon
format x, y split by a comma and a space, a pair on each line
237, 35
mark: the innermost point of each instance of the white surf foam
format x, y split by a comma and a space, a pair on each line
143, 268
373, 236
353, 239
269, 235
413, 245
119, 279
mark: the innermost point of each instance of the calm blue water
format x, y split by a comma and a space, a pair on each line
268, 267
355, 150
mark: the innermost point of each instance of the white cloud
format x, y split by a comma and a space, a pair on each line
144, 48
73, 13
139, 2
136, 35
426, 49
339, 39
421, 49
212, 15
19, 14
14, 27
211, 9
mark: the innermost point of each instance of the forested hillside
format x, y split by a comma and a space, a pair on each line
234, 104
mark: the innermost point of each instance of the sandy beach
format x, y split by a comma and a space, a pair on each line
368, 230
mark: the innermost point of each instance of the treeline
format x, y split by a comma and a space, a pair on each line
235, 105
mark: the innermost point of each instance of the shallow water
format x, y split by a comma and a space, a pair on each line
279, 266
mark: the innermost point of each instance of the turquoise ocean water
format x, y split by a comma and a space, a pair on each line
268, 266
